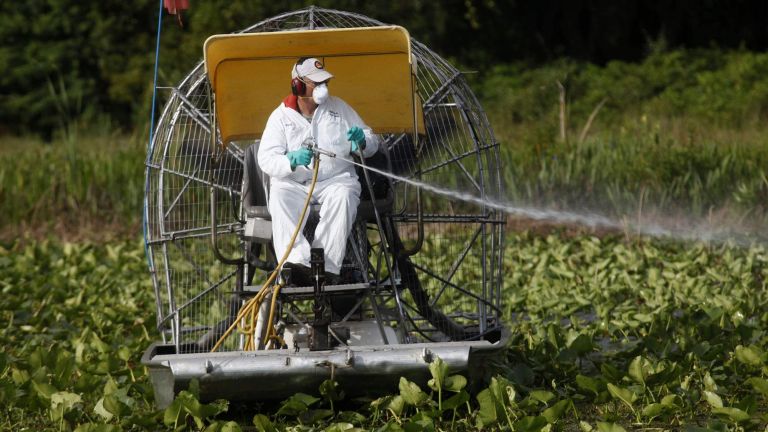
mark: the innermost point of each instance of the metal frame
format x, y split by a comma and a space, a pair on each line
186, 168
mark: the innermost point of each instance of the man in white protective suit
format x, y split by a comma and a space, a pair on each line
310, 115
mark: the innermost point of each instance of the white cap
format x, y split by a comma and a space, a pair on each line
312, 69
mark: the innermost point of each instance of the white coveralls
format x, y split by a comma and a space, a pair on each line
337, 188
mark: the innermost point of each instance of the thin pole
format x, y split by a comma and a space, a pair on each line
151, 130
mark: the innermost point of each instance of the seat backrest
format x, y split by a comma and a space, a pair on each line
255, 184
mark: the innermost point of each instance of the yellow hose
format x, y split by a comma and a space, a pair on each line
251, 307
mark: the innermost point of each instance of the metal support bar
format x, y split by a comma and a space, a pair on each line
456, 265
458, 288
458, 157
205, 291
181, 192
187, 176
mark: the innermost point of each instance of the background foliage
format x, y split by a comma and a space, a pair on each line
68, 61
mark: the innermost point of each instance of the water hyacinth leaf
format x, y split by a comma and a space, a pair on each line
231, 426
439, 370
760, 385
542, 396
553, 413
734, 414
582, 344
456, 400
38, 358
609, 427
503, 391
750, 356
589, 384
671, 400
99, 410
396, 405
172, 413
292, 407
43, 390
709, 383
63, 402
201, 411
530, 423
110, 386
351, 417
422, 421
713, 399
124, 354
113, 405
263, 424
411, 393
391, 426
625, 395
296, 404
340, 427
639, 369
653, 410
64, 367
194, 388
97, 427
611, 373
486, 414
19, 376
455, 383
218, 426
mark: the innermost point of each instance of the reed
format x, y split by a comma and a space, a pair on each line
95, 181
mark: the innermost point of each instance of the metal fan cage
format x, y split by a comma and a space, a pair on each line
455, 247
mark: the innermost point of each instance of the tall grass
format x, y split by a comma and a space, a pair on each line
93, 181
682, 131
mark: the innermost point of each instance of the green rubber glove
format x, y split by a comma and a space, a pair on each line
356, 136
298, 157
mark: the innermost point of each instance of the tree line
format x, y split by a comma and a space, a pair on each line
90, 62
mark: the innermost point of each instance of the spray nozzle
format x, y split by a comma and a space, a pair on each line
311, 145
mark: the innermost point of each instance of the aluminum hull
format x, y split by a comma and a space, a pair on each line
278, 374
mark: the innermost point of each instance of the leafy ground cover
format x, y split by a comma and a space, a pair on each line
608, 335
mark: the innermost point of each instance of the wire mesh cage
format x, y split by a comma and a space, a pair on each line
434, 263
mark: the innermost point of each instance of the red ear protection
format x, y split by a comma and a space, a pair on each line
298, 87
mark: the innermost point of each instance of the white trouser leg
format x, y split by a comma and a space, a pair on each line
285, 203
339, 198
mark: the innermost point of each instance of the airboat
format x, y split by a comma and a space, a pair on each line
422, 273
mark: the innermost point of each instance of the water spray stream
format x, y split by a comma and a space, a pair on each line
590, 220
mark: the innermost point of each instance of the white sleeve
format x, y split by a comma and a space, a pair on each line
371, 139
273, 147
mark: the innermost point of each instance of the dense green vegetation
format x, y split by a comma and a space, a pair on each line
68, 61
94, 182
607, 335
682, 130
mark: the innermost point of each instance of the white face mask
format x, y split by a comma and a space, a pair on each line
320, 94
